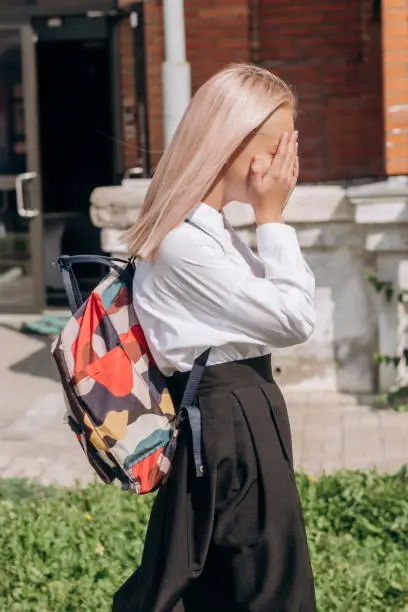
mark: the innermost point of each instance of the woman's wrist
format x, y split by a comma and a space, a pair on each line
268, 217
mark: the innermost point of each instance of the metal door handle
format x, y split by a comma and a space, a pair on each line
21, 209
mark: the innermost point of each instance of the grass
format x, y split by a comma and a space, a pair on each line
68, 550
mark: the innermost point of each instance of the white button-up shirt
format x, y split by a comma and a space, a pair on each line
207, 289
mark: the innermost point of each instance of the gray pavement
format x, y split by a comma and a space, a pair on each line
329, 431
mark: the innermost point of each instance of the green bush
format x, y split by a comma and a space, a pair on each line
357, 526
68, 550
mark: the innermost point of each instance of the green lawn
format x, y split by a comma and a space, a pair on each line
65, 550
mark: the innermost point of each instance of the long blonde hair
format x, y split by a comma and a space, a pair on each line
221, 115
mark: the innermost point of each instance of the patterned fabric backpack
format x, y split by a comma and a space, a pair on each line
115, 394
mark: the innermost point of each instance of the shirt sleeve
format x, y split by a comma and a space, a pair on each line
275, 310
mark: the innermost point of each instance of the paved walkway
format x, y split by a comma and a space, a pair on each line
329, 432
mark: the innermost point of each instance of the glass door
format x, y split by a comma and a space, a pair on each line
21, 244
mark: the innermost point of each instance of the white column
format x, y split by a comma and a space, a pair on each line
382, 208
176, 74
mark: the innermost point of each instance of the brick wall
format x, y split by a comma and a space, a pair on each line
127, 95
395, 67
330, 51
215, 36
155, 56
217, 33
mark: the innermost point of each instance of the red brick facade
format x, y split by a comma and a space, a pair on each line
127, 95
395, 68
155, 56
329, 50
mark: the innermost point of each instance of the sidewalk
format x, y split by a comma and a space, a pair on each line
35, 443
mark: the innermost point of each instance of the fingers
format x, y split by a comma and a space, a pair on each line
256, 173
288, 165
281, 154
269, 183
295, 170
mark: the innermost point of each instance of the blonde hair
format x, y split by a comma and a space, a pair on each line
221, 115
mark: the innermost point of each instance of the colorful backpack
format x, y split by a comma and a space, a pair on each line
115, 394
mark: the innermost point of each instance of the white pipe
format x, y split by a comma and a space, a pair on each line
174, 30
176, 72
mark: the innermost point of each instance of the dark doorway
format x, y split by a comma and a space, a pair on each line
77, 148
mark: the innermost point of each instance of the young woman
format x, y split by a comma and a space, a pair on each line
234, 538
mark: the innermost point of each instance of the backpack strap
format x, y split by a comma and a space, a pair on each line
65, 263
206, 231
190, 410
74, 295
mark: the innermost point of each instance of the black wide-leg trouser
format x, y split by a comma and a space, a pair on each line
233, 540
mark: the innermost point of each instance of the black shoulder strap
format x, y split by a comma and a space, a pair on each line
65, 263
190, 410
203, 229
194, 379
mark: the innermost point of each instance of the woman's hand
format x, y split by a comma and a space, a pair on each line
271, 187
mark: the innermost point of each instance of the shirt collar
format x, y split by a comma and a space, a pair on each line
207, 216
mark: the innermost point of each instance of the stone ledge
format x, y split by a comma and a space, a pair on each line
387, 240
331, 235
319, 204
117, 207
384, 202
390, 212
309, 204
393, 187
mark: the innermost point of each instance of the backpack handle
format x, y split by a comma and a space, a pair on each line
65, 263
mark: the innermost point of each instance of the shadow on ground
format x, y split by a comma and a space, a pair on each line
40, 363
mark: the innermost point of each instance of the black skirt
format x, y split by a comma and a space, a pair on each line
233, 540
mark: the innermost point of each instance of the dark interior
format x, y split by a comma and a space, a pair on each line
76, 130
